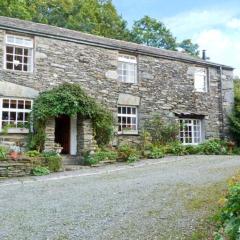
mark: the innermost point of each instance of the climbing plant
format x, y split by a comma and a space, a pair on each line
70, 99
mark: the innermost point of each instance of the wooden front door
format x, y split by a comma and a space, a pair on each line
62, 133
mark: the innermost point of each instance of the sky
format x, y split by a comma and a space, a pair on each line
213, 24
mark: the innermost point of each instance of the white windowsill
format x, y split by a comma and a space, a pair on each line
128, 132
18, 130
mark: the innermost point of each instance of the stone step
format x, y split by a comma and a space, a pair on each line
70, 159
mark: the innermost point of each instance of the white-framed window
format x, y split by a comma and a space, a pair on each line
127, 68
127, 120
200, 80
190, 131
18, 53
14, 113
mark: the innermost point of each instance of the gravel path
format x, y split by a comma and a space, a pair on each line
143, 201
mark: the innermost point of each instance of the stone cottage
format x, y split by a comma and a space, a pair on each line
133, 81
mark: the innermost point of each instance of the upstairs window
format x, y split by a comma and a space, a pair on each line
127, 68
200, 80
19, 53
190, 131
14, 112
127, 120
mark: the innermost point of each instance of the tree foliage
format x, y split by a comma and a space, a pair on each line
189, 47
70, 99
234, 118
152, 32
98, 17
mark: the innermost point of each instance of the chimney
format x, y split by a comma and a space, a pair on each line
204, 55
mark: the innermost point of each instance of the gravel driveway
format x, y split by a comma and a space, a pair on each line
144, 201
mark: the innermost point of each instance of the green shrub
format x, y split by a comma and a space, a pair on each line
33, 153
89, 159
53, 161
193, 149
175, 148
229, 216
133, 158
125, 151
161, 132
40, 171
156, 152
214, 146
3, 153
103, 155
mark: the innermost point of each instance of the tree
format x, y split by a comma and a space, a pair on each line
97, 17
189, 47
234, 118
152, 32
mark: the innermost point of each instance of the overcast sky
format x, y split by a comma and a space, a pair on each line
213, 24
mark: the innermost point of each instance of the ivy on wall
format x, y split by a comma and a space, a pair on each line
70, 99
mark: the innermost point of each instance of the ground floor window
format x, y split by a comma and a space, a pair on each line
190, 131
14, 113
127, 119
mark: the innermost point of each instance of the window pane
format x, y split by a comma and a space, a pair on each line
13, 104
27, 116
119, 109
133, 110
5, 103
9, 50
20, 116
5, 116
18, 51
124, 110
13, 116
9, 66
28, 105
9, 58
20, 104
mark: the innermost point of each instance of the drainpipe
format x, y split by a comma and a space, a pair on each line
221, 104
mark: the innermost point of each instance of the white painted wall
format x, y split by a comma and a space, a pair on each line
73, 136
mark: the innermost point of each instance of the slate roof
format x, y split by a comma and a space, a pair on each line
37, 29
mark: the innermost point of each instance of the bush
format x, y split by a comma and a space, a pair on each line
40, 171
193, 149
214, 146
91, 159
53, 161
133, 158
175, 148
33, 153
229, 216
161, 133
3, 153
125, 151
156, 152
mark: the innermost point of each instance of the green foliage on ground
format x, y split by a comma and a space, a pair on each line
40, 171
70, 99
33, 153
3, 153
52, 160
99, 156
127, 152
214, 147
228, 218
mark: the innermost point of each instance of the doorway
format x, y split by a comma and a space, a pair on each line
62, 133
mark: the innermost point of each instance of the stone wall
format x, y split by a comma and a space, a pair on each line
18, 168
50, 135
164, 86
85, 139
